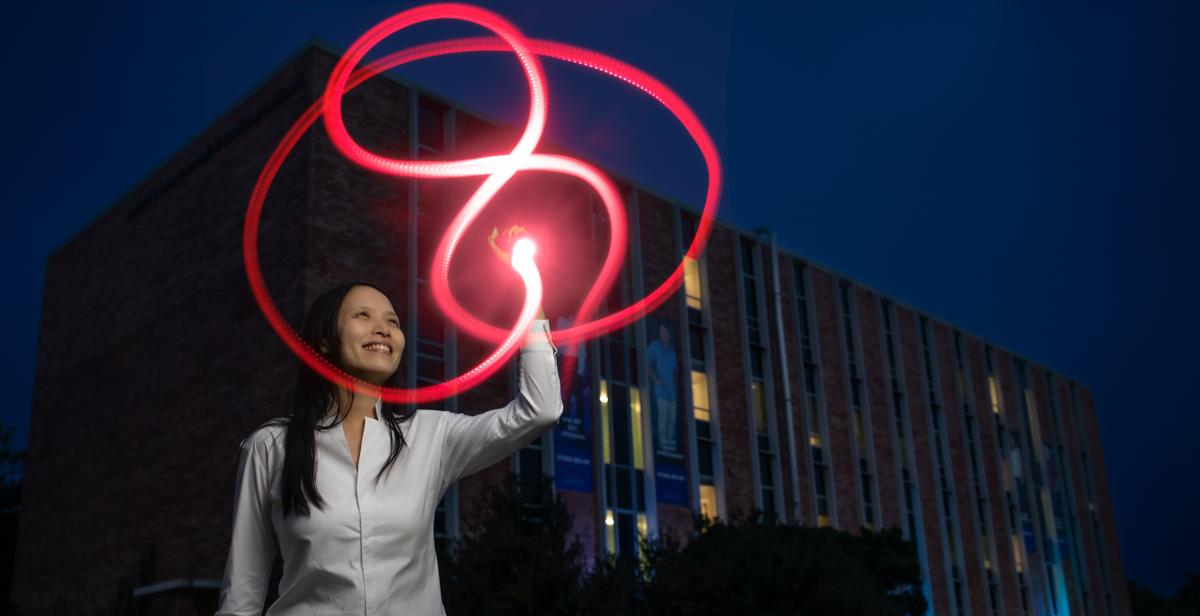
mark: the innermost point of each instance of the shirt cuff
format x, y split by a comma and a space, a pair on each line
538, 338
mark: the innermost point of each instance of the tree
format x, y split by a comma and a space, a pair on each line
754, 565
1188, 598
613, 587
1146, 602
517, 560
12, 472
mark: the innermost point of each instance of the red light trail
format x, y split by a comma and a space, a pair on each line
498, 170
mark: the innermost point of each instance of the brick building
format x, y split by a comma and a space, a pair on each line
767, 382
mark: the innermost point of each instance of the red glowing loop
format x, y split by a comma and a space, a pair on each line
498, 169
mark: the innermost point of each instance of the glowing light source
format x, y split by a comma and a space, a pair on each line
523, 250
498, 169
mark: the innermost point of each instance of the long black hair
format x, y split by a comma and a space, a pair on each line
313, 396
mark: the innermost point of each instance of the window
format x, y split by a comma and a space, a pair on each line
903, 436
859, 413
1007, 478
761, 412
691, 282
705, 445
431, 126
1038, 500
813, 410
945, 480
700, 395
970, 429
622, 434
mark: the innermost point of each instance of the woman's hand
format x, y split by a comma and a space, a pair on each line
510, 235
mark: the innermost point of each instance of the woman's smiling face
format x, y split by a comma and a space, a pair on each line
371, 340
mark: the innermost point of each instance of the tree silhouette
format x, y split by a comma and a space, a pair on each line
516, 560
754, 565
12, 474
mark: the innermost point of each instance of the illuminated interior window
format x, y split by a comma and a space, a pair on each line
607, 437
994, 393
700, 395
691, 282
760, 405
814, 439
635, 403
642, 530
610, 531
1016, 541
822, 521
708, 500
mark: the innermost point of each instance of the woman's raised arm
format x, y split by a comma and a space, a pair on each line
473, 442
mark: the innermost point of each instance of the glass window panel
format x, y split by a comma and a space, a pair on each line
618, 363
696, 342
705, 455
625, 531
610, 535
757, 396
747, 258
708, 500
429, 368
636, 425
620, 414
691, 282
700, 395
624, 488
604, 422
751, 299
430, 326
430, 126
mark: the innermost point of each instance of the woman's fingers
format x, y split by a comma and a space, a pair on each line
503, 256
510, 233
514, 231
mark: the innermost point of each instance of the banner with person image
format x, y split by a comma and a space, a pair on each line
666, 404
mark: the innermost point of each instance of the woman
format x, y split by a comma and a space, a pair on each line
365, 546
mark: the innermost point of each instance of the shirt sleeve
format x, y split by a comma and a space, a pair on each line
475, 442
253, 548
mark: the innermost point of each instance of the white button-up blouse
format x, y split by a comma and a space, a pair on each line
371, 550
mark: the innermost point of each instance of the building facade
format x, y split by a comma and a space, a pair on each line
767, 382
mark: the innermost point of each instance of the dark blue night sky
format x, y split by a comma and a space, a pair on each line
1025, 170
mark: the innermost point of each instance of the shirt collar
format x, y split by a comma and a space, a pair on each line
329, 409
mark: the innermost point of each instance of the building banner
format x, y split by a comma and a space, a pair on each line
573, 433
666, 410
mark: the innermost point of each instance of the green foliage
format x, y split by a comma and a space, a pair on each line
753, 565
517, 560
